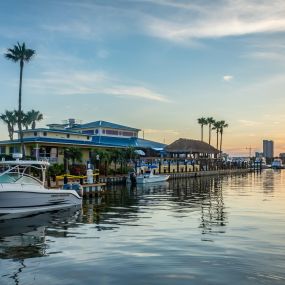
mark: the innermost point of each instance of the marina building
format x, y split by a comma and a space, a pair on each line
50, 142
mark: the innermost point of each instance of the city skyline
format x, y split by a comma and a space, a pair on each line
155, 65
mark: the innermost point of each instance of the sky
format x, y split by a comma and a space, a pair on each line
157, 65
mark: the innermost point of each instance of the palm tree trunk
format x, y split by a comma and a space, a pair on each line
221, 143
20, 109
201, 132
217, 139
210, 132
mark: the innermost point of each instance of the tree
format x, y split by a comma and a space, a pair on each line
35, 116
216, 126
73, 153
203, 122
19, 53
26, 120
210, 121
223, 125
9, 118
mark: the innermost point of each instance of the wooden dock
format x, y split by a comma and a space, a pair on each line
92, 190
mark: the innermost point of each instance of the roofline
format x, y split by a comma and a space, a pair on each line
54, 131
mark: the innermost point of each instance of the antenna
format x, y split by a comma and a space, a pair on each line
249, 149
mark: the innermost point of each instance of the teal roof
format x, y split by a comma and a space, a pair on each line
103, 124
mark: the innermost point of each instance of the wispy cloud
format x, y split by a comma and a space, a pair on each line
83, 82
231, 18
177, 21
248, 123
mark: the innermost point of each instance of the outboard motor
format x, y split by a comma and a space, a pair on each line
133, 178
74, 186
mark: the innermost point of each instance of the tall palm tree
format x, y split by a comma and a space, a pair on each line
216, 126
19, 53
9, 118
210, 121
203, 122
223, 125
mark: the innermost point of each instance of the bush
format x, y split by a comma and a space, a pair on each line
77, 169
55, 170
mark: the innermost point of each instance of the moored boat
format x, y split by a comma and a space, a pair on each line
277, 164
21, 192
150, 177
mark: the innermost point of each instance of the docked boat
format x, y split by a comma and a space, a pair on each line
277, 164
22, 192
150, 177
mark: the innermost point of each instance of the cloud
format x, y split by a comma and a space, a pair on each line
83, 82
186, 22
248, 123
176, 21
228, 78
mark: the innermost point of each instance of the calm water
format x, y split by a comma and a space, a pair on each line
196, 231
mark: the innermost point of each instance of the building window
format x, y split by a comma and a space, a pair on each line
35, 134
88, 132
88, 137
45, 134
2, 149
127, 134
104, 131
112, 132
96, 132
13, 149
68, 136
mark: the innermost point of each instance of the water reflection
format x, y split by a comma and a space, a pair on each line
25, 237
182, 197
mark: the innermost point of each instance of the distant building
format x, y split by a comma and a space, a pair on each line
282, 156
268, 149
258, 154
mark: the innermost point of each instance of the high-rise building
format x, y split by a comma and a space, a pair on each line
268, 149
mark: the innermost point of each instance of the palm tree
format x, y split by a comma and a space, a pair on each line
35, 116
19, 53
26, 120
222, 126
216, 126
203, 122
73, 153
9, 118
210, 122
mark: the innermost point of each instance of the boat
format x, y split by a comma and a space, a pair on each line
277, 164
22, 192
260, 163
150, 177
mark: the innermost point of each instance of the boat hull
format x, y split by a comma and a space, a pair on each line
152, 179
28, 201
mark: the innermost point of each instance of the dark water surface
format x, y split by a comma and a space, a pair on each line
228, 230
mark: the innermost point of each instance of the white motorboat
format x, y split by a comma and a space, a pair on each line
150, 177
277, 164
22, 192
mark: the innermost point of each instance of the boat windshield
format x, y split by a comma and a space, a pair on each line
17, 178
